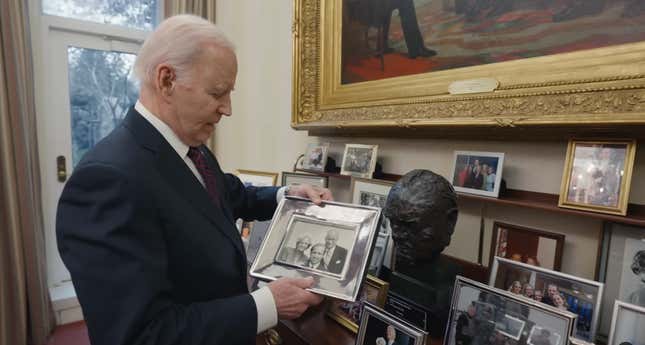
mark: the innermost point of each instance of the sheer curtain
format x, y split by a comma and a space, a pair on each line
26, 316
202, 8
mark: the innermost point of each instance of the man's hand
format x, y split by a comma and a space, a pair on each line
314, 193
291, 298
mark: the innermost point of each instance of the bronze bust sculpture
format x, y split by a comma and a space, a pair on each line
422, 210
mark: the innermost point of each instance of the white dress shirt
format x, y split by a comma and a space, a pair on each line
263, 298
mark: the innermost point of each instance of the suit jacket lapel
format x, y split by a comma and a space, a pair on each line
178, 175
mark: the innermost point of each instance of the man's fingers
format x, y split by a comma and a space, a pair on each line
303, 283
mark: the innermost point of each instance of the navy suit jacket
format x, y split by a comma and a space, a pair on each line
152, 258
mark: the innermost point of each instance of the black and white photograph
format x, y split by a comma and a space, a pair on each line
478, 172
627, 326
543, 336
330, 242
292, 178
622, 269
372, 192
379, 327
483, 315
562, 291
315, 157
310, 244
359, 160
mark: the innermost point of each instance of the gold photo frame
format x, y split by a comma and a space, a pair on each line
592, 87
597, 175
348, 314
257, 178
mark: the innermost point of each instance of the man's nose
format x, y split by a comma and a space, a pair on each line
225, 107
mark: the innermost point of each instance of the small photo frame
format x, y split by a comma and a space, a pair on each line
597, 175
337, 241
622, 269
482, 314
257, 178
547, 287
478, 172
530, 246
348, 314
372, 192
315, 157
379, 327
627, 325
291, 178
359, 160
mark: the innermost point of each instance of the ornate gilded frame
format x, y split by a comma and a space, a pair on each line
342, 318
598, 87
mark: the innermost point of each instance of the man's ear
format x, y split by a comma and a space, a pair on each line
165, 81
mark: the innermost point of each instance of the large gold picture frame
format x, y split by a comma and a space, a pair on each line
596, 87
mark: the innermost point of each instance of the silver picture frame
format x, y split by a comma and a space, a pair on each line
627, 324
479, 307
352, 228
377, 323
586, 294
292, 178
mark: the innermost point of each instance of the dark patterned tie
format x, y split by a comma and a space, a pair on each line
207, 173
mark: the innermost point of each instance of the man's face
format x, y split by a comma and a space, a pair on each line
330, 240
428, 232
316, 254
552, 290
199, 103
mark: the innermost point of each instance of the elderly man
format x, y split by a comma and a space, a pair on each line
334, 255
146, 223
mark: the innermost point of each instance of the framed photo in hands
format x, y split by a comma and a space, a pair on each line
378, 327
348, 314
330, 242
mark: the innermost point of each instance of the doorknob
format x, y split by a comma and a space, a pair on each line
61, 170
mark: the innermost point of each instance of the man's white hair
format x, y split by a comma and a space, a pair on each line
177, 41
380, 341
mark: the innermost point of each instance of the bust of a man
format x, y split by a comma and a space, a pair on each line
422, 210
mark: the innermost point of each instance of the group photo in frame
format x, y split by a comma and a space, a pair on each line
341, 236
481, 314
564, 292
477, 172
373, 192
359, 160
315, 157
627, 325
622, 269
294, 178
348, 314
597, 175
378, 327
531, 246
554, 47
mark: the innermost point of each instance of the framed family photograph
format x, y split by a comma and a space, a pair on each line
478, 172
330, 242
359, 160
622, 269
597, 175
627, 325
348, 314
482, 314
562, 291
372, 192
257, 178
289, 178
378, 327
531, 246
315, 157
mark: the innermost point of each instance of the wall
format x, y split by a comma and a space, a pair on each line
258, 136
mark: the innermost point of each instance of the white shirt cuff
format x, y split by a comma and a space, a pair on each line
267, 312
280, 194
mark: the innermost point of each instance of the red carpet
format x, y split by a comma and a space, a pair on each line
70, 334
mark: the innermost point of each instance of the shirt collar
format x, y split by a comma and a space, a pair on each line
164, 129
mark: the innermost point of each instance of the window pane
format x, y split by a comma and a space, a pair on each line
140, 14
101, 89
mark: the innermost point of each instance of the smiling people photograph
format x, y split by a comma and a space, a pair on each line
146, 223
